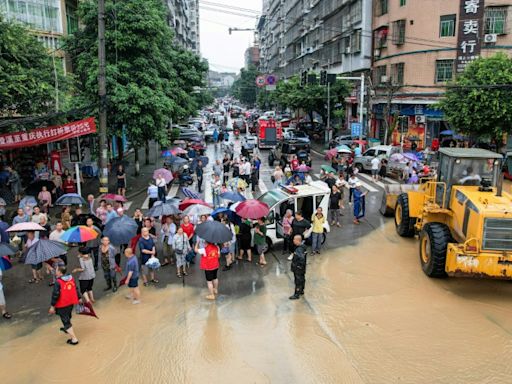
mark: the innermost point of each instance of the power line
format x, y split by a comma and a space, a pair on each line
220, 5
229, 12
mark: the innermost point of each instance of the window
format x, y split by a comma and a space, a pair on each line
447, 26
381, 37
356, 11
380, 75
397, 73
444, 70
403, 3
495, 20
356, 41
399, 32
382, 7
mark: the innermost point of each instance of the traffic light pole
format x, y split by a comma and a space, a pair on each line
361, 101
102, 93
328, 130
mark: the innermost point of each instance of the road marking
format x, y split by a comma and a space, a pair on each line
391, 181
370, 180
262, 187
366, 184
172, 192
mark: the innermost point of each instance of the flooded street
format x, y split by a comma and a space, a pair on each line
370, 316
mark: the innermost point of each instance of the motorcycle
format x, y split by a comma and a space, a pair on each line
237, 133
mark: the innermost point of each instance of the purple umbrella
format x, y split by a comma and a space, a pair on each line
411, 156
166, 174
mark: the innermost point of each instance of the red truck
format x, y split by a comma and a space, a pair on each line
269, 132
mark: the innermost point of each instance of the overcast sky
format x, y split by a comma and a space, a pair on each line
225, 52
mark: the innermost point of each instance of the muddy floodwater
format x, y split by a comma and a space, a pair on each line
369, 316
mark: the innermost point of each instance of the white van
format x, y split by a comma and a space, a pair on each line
307, 199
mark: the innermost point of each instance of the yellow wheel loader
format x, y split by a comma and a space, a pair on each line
463, 218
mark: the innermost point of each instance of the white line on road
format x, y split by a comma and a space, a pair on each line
172, 192
370, 179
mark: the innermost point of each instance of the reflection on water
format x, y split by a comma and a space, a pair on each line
370, 316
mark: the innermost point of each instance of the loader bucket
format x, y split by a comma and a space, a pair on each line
390, 195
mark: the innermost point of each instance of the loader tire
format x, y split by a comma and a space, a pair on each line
434, 239
403, 222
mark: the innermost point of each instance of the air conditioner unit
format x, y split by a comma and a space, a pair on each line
490, 38
420, 119
347, 50
383, 79
376, 53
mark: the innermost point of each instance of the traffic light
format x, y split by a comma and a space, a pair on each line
75, 155
323, 77
303, 78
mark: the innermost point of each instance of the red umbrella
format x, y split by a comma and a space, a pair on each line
188, 202
86, 309
114, 197
252, 209
178, 151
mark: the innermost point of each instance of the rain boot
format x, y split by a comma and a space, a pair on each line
114, 286
295, 296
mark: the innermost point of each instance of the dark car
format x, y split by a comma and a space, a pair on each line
284, 151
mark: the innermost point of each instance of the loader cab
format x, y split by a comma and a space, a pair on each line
466, 167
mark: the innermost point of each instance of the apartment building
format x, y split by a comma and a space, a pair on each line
419, 46
252, 56
297, 35
49, 20
193, 9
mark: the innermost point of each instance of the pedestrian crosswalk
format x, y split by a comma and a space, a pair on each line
368, 183
172, 192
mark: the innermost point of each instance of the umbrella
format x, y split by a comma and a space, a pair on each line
159, 209
70, 199
252, 209
343, 146
190, 193
4, 236
44, 250
178, 151
175, 160
79, 234
213, 232
198, 210
347, 151
232, 216
86, 309
166, 174
28, 201
5, 263
447, 132
328, 169
203, 159
120, 230
303, 168
411, 156
397, 157
37, 186
233, 206
82, 220
331, 153
167, 153
188, 202
2, 201
173, 200
178, 142
114, 197
28, 226
6, 249
232, 196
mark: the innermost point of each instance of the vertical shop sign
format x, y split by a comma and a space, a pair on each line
471, 25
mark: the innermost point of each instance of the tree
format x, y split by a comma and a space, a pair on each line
28, 76
149, 80
479, 103
244, 88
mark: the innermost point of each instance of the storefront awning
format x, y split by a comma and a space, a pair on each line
47, 135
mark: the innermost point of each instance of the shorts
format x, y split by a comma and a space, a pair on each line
2, 297
261, 248
133, 282
232, 247
37, 267
65, 316
86, 285
211, 275
375, 172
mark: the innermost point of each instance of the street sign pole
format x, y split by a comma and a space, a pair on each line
102, 93
361, 107
77, 173
328, 112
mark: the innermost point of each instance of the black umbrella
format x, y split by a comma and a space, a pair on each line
160, 209
82, 220
44, 250
214, 232
120, 230
6, 250
37, 186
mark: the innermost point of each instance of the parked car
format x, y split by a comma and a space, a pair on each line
284, 151
292, 134
343, 140
249, 142
364, 162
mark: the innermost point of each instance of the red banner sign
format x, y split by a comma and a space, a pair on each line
47, 135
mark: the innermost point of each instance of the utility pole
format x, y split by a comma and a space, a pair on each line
328, 112
361, 108
102, 93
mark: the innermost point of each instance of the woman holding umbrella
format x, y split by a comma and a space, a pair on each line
210, 265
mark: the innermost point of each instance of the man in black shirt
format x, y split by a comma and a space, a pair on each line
298, 267
199, 174
299, 226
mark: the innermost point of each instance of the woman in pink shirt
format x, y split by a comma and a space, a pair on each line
287, 229
101, 211
45, 199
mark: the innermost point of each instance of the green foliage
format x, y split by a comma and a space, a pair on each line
149, 80
203, 98
311, 98
244, 88
175, 134
482, 111
27, 77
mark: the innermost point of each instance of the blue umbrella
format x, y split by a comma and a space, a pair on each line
28, 201
167, 153
447, 132
190, 193
4, 236
232, 216
159, 209
120, 230
175, 160
5, 263
6, 249
70, 199
44, 250
232, 196
213, 232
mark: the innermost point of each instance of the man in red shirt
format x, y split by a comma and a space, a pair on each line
210, 264
294, 163
64, 296
68, 186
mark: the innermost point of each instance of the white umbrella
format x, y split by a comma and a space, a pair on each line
198, 210
342, 150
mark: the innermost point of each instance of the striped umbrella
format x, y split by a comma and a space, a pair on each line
44, 250
70, 199
79, 234
190, 193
